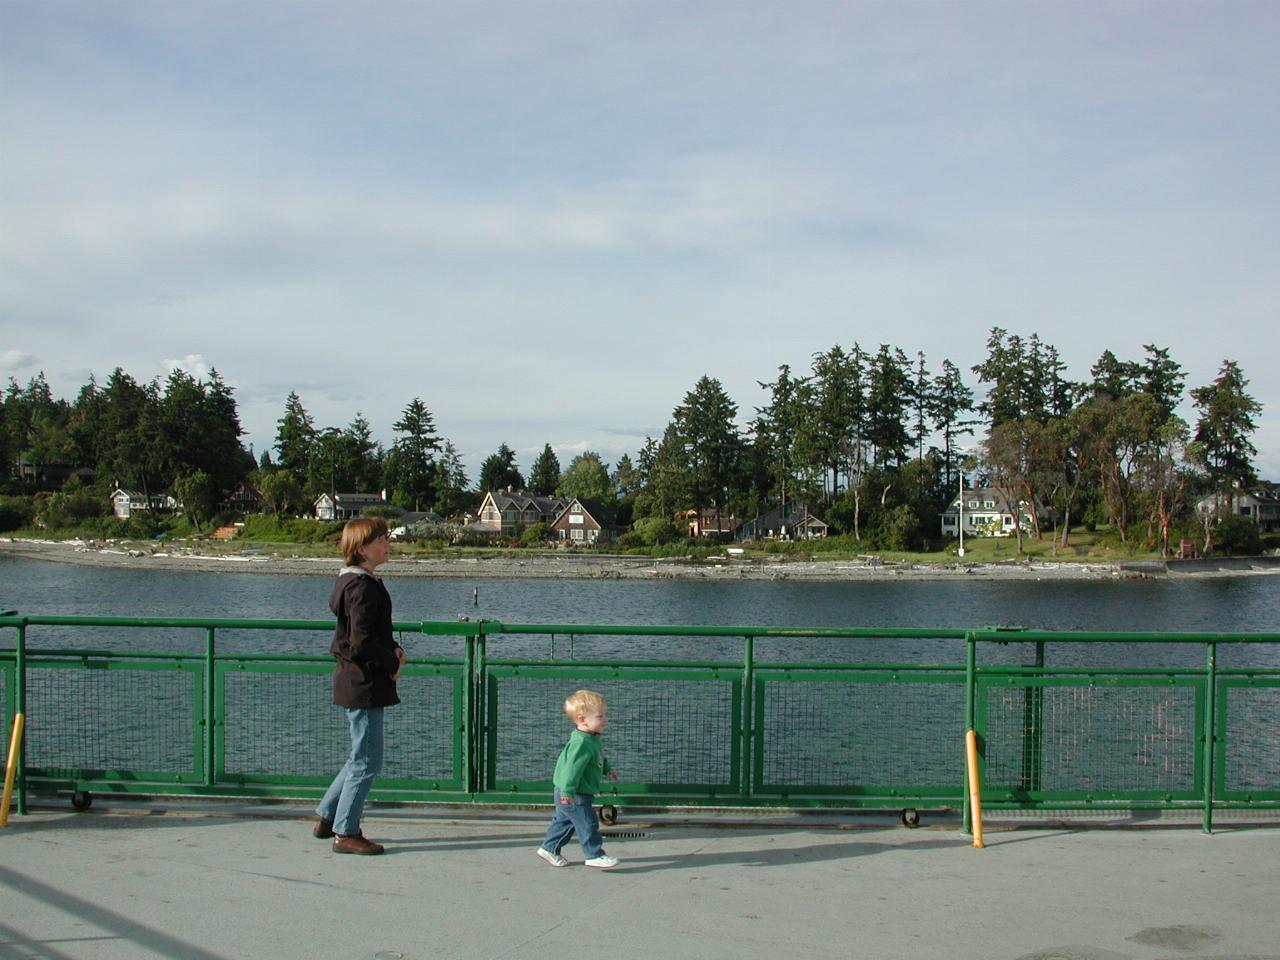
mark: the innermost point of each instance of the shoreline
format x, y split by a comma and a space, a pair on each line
159, 557
151, 556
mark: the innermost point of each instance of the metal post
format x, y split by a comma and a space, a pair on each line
970, 694
209, 711
747, 738
1032, 726
20, 670
1210, 732
468, 711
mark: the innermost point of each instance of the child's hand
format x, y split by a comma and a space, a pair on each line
567, 801
612, 774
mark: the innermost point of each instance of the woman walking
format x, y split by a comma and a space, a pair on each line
364, 679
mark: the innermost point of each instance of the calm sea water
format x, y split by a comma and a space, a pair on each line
1226, 604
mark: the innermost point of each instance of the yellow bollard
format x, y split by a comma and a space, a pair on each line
11, 769
975, 787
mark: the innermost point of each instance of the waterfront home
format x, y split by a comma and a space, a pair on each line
505, 511
583, 522
1261, 504
986, 514
125, 503
344, 506
708, 523
243, 500
790, 522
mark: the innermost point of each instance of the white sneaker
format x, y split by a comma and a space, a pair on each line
554, 858
604, 861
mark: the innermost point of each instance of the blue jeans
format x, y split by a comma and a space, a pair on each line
343, 802
580, 817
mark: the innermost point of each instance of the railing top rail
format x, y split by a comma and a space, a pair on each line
1020, 635
473, 628
641, 630
448, 628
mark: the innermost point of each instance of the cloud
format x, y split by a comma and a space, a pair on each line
14, 360
193, 364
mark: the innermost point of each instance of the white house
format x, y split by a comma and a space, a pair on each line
125, 503
1262, 504
344, 506
986, 514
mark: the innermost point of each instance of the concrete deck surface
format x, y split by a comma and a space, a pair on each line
211, 883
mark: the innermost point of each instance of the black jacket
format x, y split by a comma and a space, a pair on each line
362, 642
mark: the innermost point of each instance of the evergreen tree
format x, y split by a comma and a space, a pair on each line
499, 471
295, 434
451, 489
410, 469
625, 477
1223, 430
889, 387
545, 475
712, 444
951, 401
1004, 368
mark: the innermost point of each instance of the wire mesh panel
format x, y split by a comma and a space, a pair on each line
7, 707
847, 732
1250, 758
1071, 736
132, 717
280, 725
669, 730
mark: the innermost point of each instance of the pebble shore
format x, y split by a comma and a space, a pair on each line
153, 556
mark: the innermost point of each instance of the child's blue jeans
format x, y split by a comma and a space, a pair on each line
580, 817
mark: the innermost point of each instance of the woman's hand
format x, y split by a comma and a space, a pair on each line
400, 655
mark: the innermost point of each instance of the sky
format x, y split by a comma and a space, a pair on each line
548, 220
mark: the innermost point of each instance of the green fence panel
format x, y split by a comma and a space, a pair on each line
1100, 738
862, 736
100, 719
674, 732
1249, 759
278, 727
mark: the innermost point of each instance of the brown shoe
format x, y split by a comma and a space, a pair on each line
356, 843
323, 829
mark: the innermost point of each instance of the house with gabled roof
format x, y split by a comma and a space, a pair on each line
505, 511
584, 522
987, 513
125, 503
792, 522
1260, 503
344, 506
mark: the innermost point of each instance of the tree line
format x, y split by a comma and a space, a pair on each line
873, 442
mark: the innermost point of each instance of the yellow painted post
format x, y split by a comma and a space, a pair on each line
975, 786
11, 769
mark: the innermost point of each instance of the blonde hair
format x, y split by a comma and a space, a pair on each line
358, 534
582, 702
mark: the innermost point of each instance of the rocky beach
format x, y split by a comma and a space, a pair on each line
151, 555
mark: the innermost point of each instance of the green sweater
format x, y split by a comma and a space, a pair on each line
581, 764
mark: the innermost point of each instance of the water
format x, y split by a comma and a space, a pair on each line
1219, 604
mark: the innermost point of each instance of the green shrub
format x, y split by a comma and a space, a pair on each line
1234, 535
535, 535
278, 529
16, 512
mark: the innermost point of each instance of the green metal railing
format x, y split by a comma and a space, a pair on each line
725, 716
